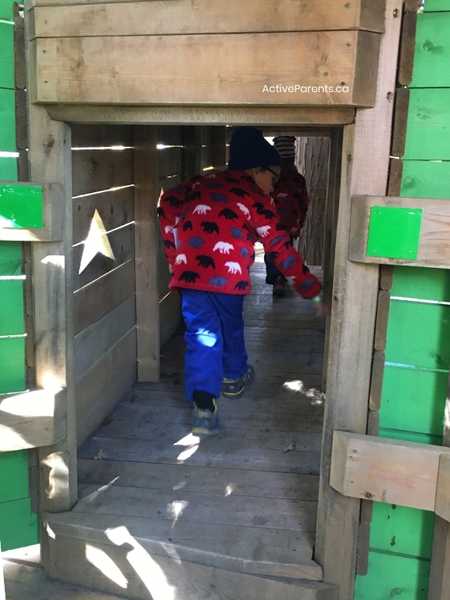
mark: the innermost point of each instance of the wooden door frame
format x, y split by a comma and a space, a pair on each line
364, 170
365, 165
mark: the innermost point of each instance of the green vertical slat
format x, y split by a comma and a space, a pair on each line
437, 5
14, 477
12, 320
7, 9
12, 359
394, 577
402, 530
428, 129
18, 524
7, 120
432, 57
11, 261
7, 54
8, 169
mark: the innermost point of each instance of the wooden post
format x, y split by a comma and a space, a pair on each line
50, 162
439, 588
364, 167
146, 177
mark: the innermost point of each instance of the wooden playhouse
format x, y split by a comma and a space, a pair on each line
103, 105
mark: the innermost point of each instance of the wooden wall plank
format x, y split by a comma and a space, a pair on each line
148, 69
95, 341
204, 115
146, 173
95, 136
93, 301
354, 301
109, 380
385, 470
205, 16
95, 170
115, 208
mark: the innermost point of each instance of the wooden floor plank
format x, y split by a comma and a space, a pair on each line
211, 481
201, 508
217, 452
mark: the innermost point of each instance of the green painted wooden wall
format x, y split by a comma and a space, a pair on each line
418, 338
18, 523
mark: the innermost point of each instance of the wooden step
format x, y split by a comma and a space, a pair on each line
115, 554
26, 582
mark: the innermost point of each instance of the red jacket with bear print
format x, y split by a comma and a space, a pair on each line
209, 226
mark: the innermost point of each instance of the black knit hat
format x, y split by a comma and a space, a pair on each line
249, 149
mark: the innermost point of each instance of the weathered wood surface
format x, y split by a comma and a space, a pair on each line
95, 300
189, 478
96, 339
30, 582
146, 175
204, 16
150, 70
32, 420
152, 575
354, 302
50, 162
202, 115
440, 558
107, 382
386, 470
434, 246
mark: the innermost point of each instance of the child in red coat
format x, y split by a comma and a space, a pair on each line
291, 200
209, 225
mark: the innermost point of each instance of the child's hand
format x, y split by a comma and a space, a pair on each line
309, 287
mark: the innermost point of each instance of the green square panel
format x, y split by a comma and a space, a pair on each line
418, 335
18, 524
12, 308
394, 232
413, 400
7, 120
11, 258
7, 54
13, 476
401, 530
393, 577
21, 206
12, 361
